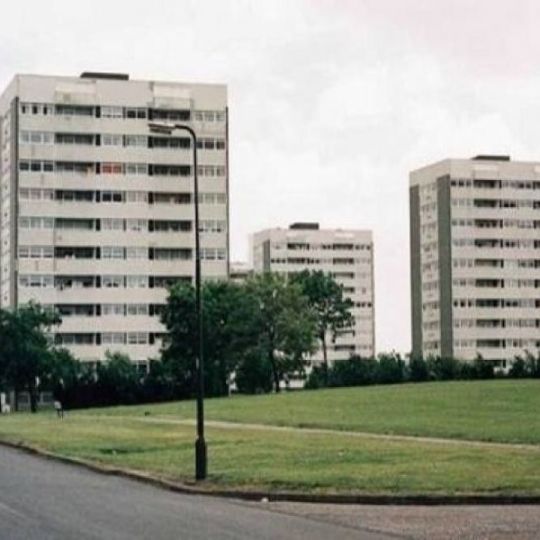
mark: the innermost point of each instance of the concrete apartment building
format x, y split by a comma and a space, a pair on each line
346, 254
240, 272
97, 210
475, 258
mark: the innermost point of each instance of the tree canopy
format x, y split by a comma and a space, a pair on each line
331, 308
25, 351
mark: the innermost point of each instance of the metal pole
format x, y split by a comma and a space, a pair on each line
200, 443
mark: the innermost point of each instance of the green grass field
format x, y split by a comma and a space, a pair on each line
504, 411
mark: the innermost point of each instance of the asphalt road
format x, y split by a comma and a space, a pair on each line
45, 500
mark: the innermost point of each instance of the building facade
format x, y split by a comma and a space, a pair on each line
345, 254
475, 258
97, 210
240, 272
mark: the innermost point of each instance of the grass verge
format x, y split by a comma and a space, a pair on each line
241, 458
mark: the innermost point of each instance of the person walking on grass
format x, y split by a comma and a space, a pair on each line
59, 409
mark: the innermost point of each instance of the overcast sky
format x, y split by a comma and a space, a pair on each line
331, 103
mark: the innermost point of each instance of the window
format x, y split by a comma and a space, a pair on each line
110, 224
112, 252
137, 338
109, 139
171, 170
35, 166
137, 309
139, 225
136, 253
136, 196
36, 137
68, 196
136, 140
75, 224
212, 198
113, 282
112, 309
135, 113
35, 252
171, 226
170, 142
36, 222
112, 112
74, 110
213, 254
75, 166
137, 282
113, 338
36, 281
74, 339
212, 226
111, 196
171, 198
112, 168
136, 168
171, 114
75, 138
165, 254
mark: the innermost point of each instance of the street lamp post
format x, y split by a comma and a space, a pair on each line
200, 443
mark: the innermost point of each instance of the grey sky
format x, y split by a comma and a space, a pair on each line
332, 103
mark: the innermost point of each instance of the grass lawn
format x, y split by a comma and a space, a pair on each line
505, 411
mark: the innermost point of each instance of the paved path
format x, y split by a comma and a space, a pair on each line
519, 522
363, 434
42, 499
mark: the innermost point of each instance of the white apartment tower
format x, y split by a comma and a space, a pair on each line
97, 210
345, 254
475, 258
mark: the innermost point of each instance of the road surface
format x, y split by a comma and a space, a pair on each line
44, 500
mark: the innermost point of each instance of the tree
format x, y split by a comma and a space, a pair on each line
118, 380
283, 323
442, 368
159, 384
482, 369
518, 369
25, 351
356, 371
532, 365
227, 310
418, 369
332, 309
64, 374
227, 334
180, 343
254, 373
391, 368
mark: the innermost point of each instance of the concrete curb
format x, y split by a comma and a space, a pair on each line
283, 496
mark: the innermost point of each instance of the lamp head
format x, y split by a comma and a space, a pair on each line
161, 127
